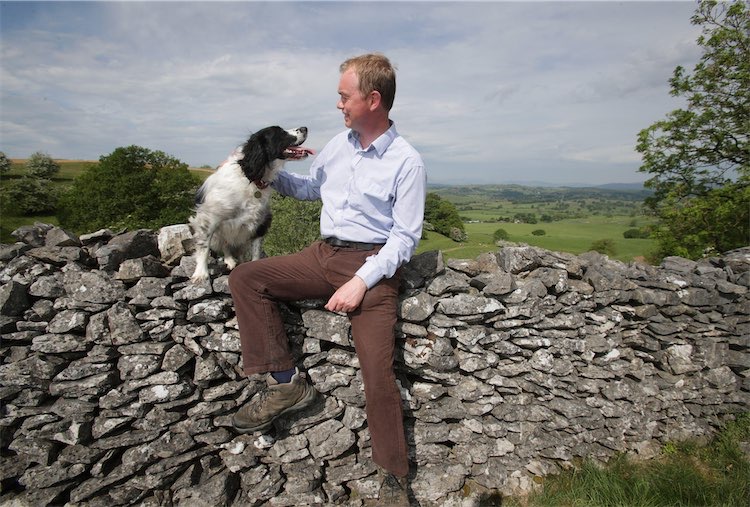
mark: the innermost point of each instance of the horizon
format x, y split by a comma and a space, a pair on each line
488, 92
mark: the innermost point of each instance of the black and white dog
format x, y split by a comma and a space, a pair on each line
233, 206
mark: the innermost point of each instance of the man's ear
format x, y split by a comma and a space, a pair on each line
375, 100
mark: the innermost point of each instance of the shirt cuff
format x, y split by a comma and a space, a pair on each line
370, 273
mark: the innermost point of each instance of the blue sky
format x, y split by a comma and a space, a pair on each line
489, 92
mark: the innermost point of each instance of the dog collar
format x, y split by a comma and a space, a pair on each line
261, 184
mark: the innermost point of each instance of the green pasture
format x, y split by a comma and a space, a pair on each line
588, 215
573, 236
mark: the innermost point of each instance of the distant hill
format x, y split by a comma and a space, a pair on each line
622, 186
520, 193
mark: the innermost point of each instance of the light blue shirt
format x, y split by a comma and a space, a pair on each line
373, 195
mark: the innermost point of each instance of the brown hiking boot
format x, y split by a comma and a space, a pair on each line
275, 400
393, 490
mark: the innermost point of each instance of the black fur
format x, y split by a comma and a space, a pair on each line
264, 226
200, 196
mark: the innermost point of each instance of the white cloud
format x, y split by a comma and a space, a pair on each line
548, 90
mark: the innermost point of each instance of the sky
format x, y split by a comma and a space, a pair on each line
527, 92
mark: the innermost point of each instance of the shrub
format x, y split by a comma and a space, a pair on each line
4, 163
41, 165
604, 246
458, 235
636, 233
29, 196
501, 235
442, 214
295, 225
539, 232
132, 187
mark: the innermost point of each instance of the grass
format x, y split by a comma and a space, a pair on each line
685, 474
572, 235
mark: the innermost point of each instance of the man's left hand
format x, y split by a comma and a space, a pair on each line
348, 297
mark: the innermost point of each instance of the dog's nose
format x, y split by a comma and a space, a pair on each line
303, 130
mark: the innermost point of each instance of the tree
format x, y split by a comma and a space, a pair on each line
443, 215
525, 218
4, 163
41, 165
132, 187
295, 225
699, 156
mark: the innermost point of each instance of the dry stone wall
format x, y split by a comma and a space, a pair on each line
118, 377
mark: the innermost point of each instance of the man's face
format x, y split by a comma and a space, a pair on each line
351, 102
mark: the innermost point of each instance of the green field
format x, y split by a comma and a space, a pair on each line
575, 218
573, 236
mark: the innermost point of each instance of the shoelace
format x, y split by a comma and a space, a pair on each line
263, 398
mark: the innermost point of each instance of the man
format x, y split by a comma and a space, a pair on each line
373, 186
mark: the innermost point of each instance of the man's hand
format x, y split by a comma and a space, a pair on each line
348, 297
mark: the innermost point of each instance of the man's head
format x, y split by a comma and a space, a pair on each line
376, 74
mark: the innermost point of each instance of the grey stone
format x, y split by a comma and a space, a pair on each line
123, 328
494, 284
327, 326
13, 298
58, 255
330, 439
208, 311
448, 282
129, 245
132, 270
9, 252
32, 234
68, 321
57, 236
466, 304
174, 242
93, 287
49, 286
59, 343
417, 308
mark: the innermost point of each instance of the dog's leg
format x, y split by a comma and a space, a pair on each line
204, 230
256, 248
201, 265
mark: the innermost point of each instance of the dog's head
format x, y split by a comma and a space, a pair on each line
271, 144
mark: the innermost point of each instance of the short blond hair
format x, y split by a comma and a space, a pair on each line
375, 73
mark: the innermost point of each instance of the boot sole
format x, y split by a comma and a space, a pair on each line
303, 403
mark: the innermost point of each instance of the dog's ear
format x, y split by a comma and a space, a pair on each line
256, 156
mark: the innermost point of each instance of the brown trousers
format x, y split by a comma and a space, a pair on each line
316, 272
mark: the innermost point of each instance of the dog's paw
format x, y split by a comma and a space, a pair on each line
199, 276
230, 262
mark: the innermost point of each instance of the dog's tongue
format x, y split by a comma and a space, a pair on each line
298, 152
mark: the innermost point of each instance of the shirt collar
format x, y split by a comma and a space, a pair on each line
381, 143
